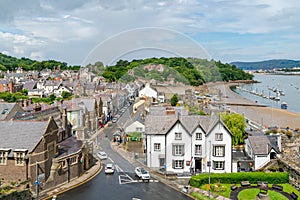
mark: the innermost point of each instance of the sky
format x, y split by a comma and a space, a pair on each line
84, 31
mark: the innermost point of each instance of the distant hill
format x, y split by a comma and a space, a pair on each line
268, 64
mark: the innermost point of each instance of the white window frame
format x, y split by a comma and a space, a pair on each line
178, 136
219, 165
198, 149
198, 136
178, 150
219, 136
178, 164
19, 158
3, 157
219, 151
157, 146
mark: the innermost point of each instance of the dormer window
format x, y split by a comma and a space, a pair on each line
19, 158
3, 157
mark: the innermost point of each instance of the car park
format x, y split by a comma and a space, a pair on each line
142, 173
102, 155
109, 168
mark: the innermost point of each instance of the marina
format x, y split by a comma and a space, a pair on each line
275, 91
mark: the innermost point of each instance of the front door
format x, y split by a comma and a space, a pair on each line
198, 165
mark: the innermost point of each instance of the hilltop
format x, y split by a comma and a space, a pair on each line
267, 64
190, 71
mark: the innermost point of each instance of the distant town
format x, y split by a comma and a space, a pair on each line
58, 125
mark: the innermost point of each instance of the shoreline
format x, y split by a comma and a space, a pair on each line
269, 117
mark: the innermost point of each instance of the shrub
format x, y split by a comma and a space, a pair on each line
252, 177
289, 134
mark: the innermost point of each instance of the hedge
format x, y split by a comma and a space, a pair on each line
252, 177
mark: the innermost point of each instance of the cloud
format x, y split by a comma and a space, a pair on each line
69, 29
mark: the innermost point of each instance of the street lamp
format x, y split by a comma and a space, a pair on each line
209, 165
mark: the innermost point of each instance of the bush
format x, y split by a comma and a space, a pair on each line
252, 177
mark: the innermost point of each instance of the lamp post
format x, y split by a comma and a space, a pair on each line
209, 165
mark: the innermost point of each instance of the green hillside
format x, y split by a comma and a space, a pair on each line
11, 63
192, 71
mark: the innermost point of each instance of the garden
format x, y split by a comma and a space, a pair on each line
221, 185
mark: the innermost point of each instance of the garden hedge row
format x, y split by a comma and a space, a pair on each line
230, 178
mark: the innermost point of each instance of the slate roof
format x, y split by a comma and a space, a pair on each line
162, 124
69, 146
21, 134
5, 109
29, 85
261, 145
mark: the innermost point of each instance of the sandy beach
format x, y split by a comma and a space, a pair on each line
263, 115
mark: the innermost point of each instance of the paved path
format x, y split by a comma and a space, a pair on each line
234, 194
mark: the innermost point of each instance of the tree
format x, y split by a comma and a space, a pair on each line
174, 100
66, 95
236, 124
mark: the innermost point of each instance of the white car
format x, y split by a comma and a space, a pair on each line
102, 155
109, 168
142, 173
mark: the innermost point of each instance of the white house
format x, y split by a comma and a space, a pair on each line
263, 148
181, 143
147, 91
135, 127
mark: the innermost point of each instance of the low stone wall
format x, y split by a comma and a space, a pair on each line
293, 170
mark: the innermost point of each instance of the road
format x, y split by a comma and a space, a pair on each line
123, 184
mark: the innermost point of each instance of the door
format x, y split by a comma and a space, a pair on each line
198, 165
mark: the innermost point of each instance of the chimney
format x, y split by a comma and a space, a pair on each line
170, 111
64, 119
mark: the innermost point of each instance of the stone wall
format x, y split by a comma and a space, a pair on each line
290, 159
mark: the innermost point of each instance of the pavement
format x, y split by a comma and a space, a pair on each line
87, 176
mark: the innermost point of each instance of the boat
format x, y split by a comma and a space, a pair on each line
283, 105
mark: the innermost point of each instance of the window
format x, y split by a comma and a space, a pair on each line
156, 146
3, 157
178, 164
219, 151
198, 136
219, 136
178, 136
19, 158
139, 129
198, 150
73, 160
218, 165
178, 150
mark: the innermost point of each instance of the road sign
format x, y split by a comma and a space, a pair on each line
208, 163
36, 183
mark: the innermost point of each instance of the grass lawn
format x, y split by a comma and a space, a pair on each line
289, 189
250, 194
253, 192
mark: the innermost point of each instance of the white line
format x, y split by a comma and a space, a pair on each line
119, 168
111, 160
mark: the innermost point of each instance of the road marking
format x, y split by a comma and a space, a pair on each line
119, 169
109, 158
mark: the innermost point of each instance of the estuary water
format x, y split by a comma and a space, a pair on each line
272, 90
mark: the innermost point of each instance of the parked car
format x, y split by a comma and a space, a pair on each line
142, 173
109, 168
102, 155
114, 120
